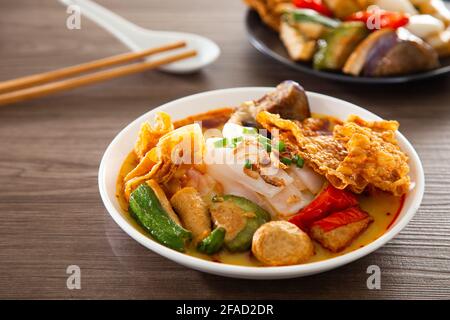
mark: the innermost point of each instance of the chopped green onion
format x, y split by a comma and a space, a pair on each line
299, 161
286, 161
249, 130
248, 164
222, 143
227, 143
265, 142
236, 140
280, 146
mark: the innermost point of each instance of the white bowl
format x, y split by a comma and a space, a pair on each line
202, 102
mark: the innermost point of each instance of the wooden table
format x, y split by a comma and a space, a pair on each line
50, 149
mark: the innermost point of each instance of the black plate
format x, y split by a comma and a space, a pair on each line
266, 40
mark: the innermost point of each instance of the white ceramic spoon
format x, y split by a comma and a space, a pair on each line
137, 38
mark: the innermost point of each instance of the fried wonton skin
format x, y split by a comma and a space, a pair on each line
144, 166
184, 145
150, 133
358, 154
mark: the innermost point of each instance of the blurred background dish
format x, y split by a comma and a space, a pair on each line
406, 46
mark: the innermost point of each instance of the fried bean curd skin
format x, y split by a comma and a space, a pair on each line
358, 153
322, 153
374, 154
281, 243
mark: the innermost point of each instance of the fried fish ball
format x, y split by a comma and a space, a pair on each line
280, 243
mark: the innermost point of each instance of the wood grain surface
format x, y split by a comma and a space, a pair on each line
51, 215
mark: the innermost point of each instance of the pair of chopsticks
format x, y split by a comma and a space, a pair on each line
39, 85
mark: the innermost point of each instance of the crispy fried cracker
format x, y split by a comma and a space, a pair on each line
358, 153
184, 145
149, 134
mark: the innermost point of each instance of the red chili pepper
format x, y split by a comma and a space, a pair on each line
328, 201
316, 5
341, 218
394, 20
362, 16
380, 19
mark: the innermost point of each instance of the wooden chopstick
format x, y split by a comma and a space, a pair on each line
41, 78
53, 87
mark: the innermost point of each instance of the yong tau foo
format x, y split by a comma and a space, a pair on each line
265, 183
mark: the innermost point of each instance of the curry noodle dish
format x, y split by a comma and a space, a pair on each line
266, 183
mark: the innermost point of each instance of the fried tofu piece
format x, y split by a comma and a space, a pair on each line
339, 229
298, 46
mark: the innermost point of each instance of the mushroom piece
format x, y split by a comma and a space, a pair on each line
289, 100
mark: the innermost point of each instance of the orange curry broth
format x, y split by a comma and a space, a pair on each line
382, 206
